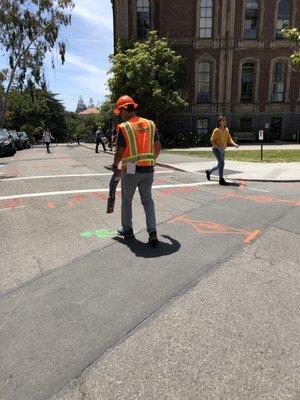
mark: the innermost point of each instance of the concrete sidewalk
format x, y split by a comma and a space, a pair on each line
247, 171
242, 147
236, 170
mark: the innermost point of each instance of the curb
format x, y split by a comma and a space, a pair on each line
164, 165
92, 148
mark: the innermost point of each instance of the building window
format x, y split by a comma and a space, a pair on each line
206, 19
251, 19
283, 17
202, 126
143, 18
204, 82
246, 124
279, 82
248, 83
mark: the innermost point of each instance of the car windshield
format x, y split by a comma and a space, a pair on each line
14, 135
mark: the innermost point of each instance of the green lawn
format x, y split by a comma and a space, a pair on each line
249, 155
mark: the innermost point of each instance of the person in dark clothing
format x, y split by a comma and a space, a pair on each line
99, 139
109, 138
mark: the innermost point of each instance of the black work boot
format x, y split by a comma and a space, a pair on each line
208, 174
129, 234
153, 238
222, 182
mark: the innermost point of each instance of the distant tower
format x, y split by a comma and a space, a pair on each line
80, 105
91, 103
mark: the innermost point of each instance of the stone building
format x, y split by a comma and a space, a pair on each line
238, 63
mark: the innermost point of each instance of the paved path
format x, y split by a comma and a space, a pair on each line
235, 170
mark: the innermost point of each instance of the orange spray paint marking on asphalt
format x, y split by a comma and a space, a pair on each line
51, 205
242, 184
79, 198
170, 191
209, 227
11, 204
159, 181
99, 196
186, 190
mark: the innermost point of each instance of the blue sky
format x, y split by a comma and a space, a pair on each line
89, 42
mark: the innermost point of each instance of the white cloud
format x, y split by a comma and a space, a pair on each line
81, 63
95, 84
94, 12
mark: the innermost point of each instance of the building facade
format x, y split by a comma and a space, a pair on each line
238, 63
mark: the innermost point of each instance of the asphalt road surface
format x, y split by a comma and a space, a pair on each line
71, 290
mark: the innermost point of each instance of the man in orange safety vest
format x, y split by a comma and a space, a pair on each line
137, 147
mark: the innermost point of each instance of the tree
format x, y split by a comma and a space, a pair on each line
91, 103
293, 35
32, 110
80, 105
30, 29
106, 117
152, 73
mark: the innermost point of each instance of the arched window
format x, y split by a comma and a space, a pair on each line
283, 17
251, 19
206, 19
248, 82
204, 81
143, 18
279, 82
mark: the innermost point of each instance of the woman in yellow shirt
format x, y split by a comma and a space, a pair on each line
220, 139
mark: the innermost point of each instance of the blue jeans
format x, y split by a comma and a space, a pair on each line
220, 156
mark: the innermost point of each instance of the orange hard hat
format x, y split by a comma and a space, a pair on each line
124, 101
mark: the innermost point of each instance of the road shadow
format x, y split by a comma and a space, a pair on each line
141, 249
3, 177
236, 184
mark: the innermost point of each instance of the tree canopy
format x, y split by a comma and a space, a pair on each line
29, 30
33, 111
152, 73
293, 35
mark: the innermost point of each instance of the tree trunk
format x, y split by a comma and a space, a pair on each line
4, 103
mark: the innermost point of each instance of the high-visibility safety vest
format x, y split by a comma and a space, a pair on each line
139, 136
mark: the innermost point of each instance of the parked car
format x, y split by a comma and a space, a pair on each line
24, 139
7, 145
16, 139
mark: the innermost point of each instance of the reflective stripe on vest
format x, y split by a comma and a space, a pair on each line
133, 155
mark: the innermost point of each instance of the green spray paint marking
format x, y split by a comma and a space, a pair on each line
99, 233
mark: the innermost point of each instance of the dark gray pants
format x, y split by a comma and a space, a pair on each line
220, 156
143, 182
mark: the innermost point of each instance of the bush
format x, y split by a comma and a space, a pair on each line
184, 140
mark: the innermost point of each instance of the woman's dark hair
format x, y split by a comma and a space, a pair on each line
219, 120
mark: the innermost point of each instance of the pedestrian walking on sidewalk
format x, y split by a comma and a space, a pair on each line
99, 136
220, 139
137, 146
108, 135
47, 139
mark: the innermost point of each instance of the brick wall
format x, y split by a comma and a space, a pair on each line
177, 19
